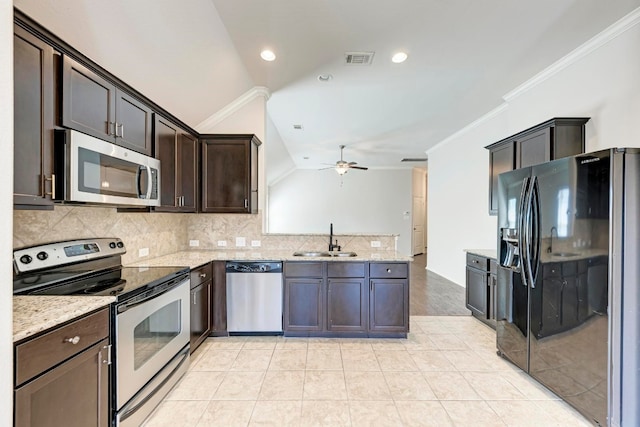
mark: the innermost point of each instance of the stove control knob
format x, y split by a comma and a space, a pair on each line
112, 245
26, 259
42, 255
120, 244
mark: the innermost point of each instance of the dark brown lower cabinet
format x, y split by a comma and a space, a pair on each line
481, 287
303, 305
347, 305
200, 314
389, 305
219, 299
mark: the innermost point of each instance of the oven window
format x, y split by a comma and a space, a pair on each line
102, 174
152, 334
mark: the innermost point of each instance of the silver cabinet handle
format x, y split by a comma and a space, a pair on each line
194, 298
181, 200
246, 203
121, 126
177, 204
111, 129
388, 270
75, 340
203, 275
53, 186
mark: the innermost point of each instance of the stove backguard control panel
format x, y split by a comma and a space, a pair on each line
56, 254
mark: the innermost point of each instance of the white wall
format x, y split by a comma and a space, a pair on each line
602, 84
373, 201
6, 210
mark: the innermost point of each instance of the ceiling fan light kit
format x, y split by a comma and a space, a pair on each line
342, 166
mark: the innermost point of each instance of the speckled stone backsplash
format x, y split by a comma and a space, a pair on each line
166, 233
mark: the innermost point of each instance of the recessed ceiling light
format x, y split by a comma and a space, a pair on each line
399, 57
297, 127
268, 55
306, 157
325, 77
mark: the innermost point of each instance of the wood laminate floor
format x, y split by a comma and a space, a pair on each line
433, 295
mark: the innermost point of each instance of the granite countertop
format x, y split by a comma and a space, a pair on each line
33, 314
488, 253
197, 258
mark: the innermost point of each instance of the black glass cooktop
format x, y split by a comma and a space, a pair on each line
118, 282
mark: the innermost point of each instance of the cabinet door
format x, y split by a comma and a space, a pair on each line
33, 119
187, 171
534, 148
347, 305
133, 123
200, 314
219, 298
75, 394
88, 101
225, 176
166, 135
476, 291
388, 305
501, 159
303, 305
491, 298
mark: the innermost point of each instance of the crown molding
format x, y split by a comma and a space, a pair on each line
233, 106
600, 39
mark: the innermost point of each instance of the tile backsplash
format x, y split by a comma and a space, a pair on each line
165, 233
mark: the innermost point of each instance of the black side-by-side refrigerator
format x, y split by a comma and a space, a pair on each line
568, 294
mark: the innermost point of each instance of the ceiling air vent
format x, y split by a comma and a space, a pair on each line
358, 58
414, 159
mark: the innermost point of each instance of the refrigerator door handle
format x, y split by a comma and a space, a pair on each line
522, 242
535, 228
528, 231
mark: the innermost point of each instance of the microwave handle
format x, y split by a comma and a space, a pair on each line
139, 181
147, 194
149, 182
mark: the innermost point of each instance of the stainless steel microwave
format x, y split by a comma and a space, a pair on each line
90, 170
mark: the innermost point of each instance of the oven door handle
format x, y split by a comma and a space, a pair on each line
152, 294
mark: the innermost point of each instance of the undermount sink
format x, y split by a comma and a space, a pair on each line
324, 254
564, 254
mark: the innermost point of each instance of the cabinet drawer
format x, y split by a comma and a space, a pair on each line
493, 266
345, 269
201, 274
477, 261
39, 354
392, 270
303, 269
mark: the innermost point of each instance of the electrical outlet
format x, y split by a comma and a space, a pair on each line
222, 243
256, 243
241, 242
194, 243
143, 252
375, 243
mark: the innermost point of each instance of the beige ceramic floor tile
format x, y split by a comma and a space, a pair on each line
391, 360
282, 385
227, 343
388, 344
196, 386
288, 360
323, 344
408, 386
356, 344
530, 388
291, 344
418, 342
491, 386
366, 386
260, 343
278, 413
562, 413
317, 413
177, 412
324, 385
427, 361
359, 360
467, 360
240, 386
252, 360
324, 359
216, 360
382, 414
521, 413
471, 413
227, 413
450, 386
423, 414
448, 342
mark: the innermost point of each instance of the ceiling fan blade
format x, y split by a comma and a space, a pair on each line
330, 167
359, 167
353, 163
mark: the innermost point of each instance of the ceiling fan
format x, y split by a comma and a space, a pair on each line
343, 166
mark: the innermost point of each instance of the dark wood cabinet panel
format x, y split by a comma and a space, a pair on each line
33, 120
88, 101
200, 314
74, 394
501, 159
229, 173
177, 151
303, 305
389, 305
219, 299
134, 120
534, 148
347, 305
481, 287
476, 292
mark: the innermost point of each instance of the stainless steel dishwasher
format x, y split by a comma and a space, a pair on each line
254, 297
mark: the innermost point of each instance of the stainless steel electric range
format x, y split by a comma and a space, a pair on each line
149, 320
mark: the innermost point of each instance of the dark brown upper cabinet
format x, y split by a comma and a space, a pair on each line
550, 140
93, 105
230, 173
177, 151
33, 121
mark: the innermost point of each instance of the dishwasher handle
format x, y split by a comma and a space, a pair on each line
254, 267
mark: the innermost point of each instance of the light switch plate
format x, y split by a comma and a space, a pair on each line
375, 243
222, 243
143, 252
256, 243
240, 242
194, 243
